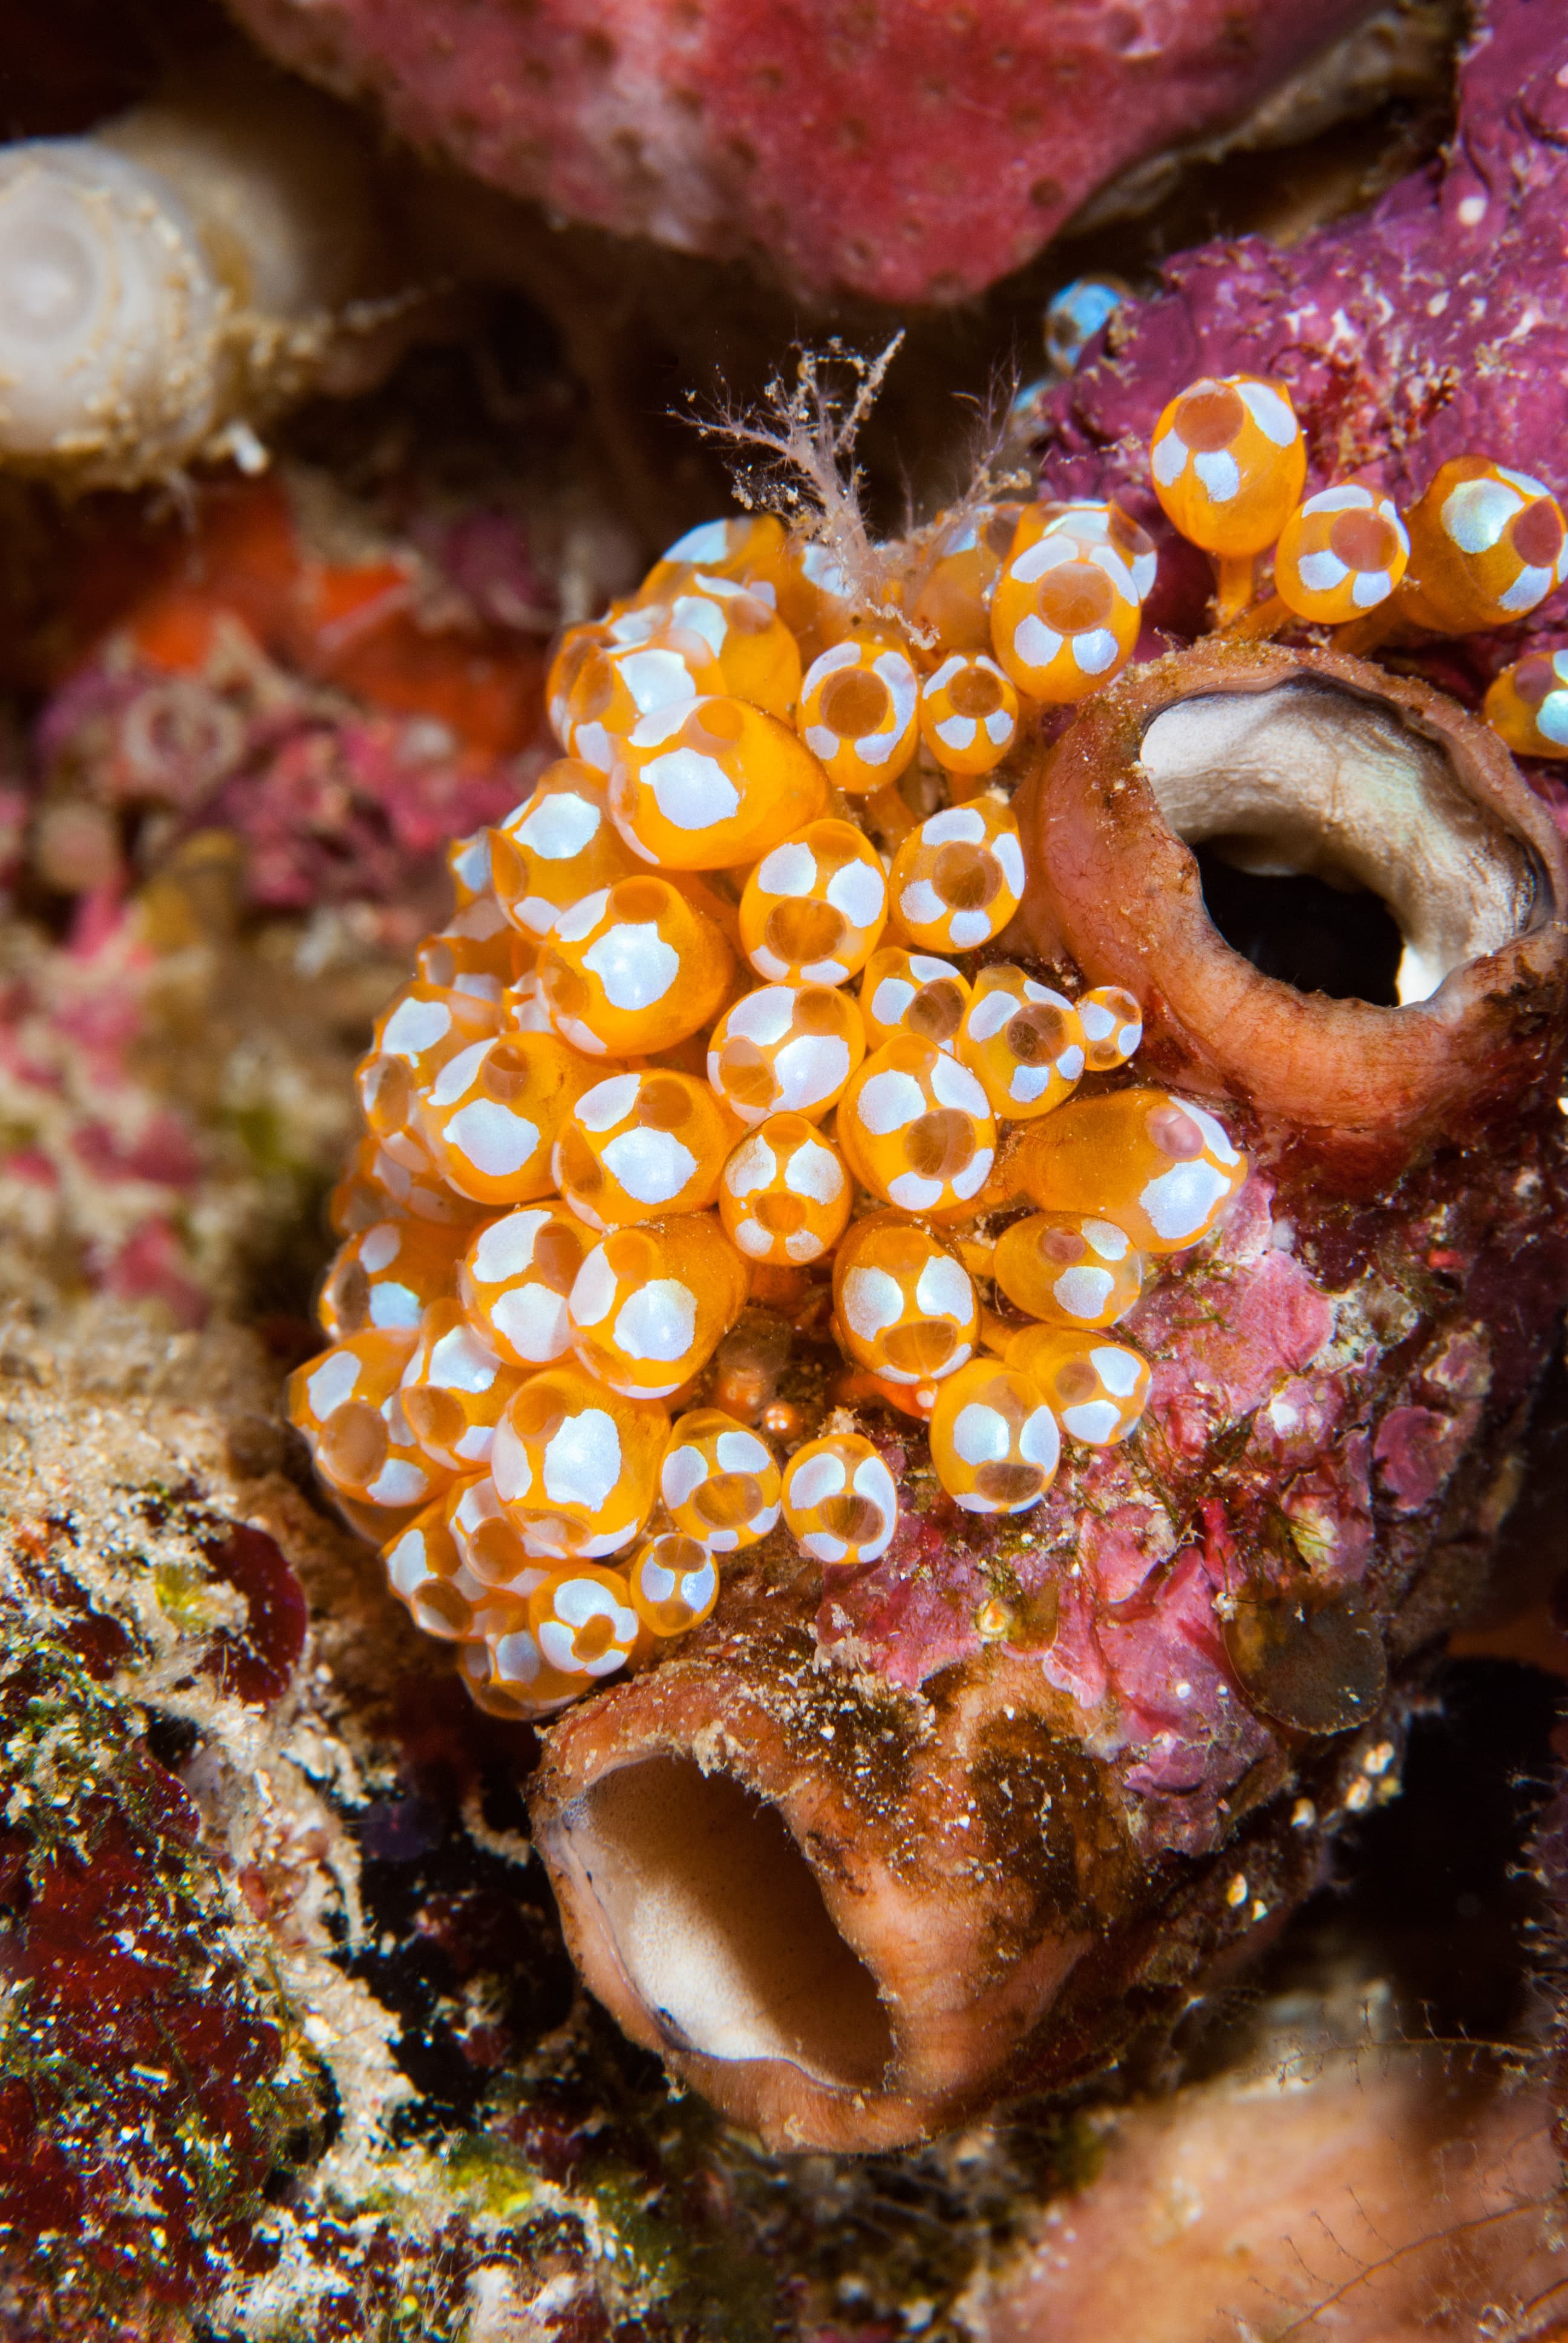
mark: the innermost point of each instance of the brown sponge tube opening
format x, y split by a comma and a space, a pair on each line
719, 1925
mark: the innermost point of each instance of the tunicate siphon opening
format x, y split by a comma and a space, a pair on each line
720, 1927
1310, 781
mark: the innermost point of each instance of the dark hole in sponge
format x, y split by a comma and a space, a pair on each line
1318, 938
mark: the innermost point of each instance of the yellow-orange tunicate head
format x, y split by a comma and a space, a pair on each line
1161, 1169
1023, 1043
507, 1674
421, 1032
1069, 1268
969, 713
634, 968
486, 1538
478, 953
617, 685
1229, 462
711, 783
911, 992
718, 1480
386, 1277
1339, 555
1110, 1020
674, 1585
785, 1048
1486, 545
454, 1388
905, 1306
1097, 1389
785, 1195
747, 549
757, 655
953, 602
346, 1402
650, 1304
1528, 705
812, 908
860, 706
494, 1113
575, 1464
641, 1145
994, 1441
916, 1128
557, 847
425, 1571
515, 1277
1066, 613
584, 1624
468, 867
957, 880
841, 1503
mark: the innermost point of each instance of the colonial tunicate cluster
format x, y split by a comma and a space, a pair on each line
725, 1010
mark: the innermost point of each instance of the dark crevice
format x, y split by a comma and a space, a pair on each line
1321, 939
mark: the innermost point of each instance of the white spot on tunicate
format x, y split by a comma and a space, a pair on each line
1035, 643
1215, 1136
802, 1246
1005, 846
913, 1194
693, 792
493, 1139
1096, 1421
1271, 413
820, 741
461, 1362
921, 905
943, 676
405, 1564
1372, 586
607, 1102
457, 1073
980, 1435
1179, 1202
580, 920
1321, 572
505, 1248
582, 1462
332, 1384
742, 1452
658, 1322
592, 745
812, 1069
1530, 586
991, 1013
698, 613
707, 542
535, 1320
953, 1085
892, 997
813, 1171
889, 1100
903, 691
656, 679
1048, 552
957, 731
394, 1306
819, 1476
594, 1290
653, 1166
752, 1166
858, 891
1039, 1442
763, 1017
876, 747
1000, 726
415, 1026
684, 1469
1476, 513
658, 1585
473, 1447
1108, 1241
1118, 1370
873, 1480
518, 1659
634, 964
1219, 473
957, 826
871, 1300
1083, 1293
943, 1290
974, 1175
1029, 1083
559, 826
1552, 717
788, 870
1167, 458
380, 1247
399, 1483
511, 1474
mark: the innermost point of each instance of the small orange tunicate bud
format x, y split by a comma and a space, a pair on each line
1528, 705
575, 1464
486, 1538
957, 880
640, 1145
747, 548
718, 1480
557, 847
634, 968
711, 784
425, 1571
1160, 1168
994, 1441
860, 706
650, 1304
910, 992
515, 1277
812, 908
454, 1388
376, 1185
785, 1048
583, 1622
411, 1040
507, 1675
916, 1128
346, 1403
841, 1501
954, 603
1068, 1270
386, 1277
618, 685
673, 1584
1229, 462
1097, 1389
785, 1195
478, 953
1486, 545
1023, 1042
757, 655
494, 1113
1110, 1020
1066, 614
905, 1306
1339, 555
969, 713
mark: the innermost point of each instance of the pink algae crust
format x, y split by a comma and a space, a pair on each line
909, 150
